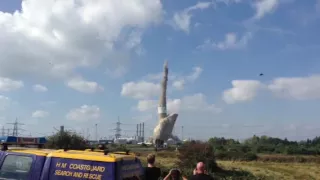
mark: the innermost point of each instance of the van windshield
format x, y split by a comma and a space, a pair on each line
15, 167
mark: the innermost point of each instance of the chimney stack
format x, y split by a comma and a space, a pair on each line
137, 134
143, 132
140, 132
162, 107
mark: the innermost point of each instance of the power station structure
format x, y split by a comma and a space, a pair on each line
140, 132
163, 131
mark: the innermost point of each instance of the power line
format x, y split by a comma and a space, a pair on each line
5, 132
96, 132
16, 128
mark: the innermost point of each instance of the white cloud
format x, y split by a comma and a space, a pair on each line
229, 1
7, 84
318, 6
300, 88
264, 7
4, 102
40, 114
180, 81
231, 41
140, 90
117, 72
242, 90
84, 113
297, 88
145, 105
149, 86
198, 102
84, 86
174, 105
182, 20
144, 118
195, 74
179, 84
54, 37
195, 103
134, 41
39, 88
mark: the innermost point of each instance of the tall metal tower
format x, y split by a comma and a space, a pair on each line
3, 131
118, 129
16, 128
96, 132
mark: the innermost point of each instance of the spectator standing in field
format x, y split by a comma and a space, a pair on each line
151, 171
200, 173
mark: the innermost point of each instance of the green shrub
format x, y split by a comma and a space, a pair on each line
192, 153
122, 147
235, 156
250, 156
66, 139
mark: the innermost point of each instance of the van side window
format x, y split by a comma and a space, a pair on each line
15, 167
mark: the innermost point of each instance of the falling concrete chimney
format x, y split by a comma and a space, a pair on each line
164, 129
162, 107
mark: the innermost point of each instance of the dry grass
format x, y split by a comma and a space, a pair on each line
261, 170
268, 170
288, 158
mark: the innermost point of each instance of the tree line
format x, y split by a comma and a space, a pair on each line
248, 149
221, 146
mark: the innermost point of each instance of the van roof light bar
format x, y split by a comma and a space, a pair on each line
18, 140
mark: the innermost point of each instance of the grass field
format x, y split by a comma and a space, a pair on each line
267, 170
251, 170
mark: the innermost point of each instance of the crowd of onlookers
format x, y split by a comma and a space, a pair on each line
154, 173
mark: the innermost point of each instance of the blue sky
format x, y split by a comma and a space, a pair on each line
76, 64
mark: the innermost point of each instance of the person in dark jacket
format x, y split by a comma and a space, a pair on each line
151, 171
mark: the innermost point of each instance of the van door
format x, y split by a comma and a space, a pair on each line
17, 166
2, 154
60, 168
129, 170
